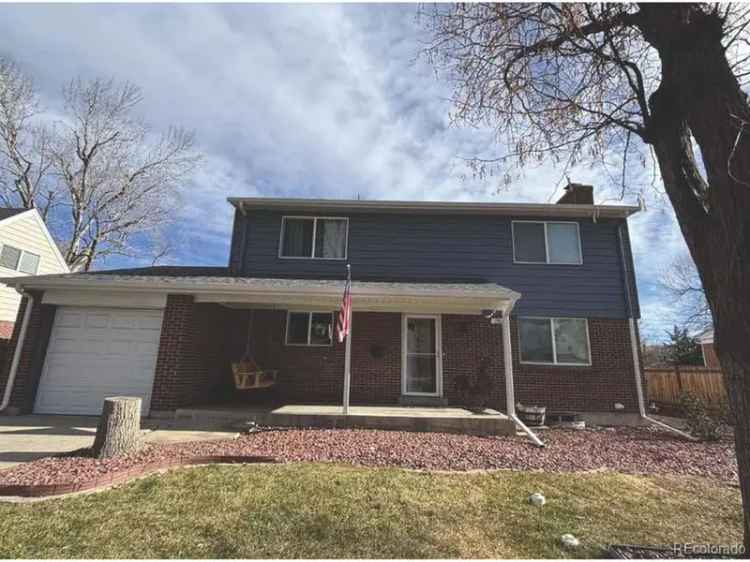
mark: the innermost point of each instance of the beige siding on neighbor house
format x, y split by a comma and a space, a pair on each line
25, 233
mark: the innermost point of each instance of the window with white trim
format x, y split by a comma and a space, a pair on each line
19, 260
554, 341
547, 242
314, 237
309, 328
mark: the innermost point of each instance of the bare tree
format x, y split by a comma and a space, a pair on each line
681, 280
574, 82
120, 183
24, 162
108, 183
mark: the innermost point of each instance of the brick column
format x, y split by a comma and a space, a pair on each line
174, 351
33, 354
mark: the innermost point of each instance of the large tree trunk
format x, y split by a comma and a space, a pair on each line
700, 96
119, 430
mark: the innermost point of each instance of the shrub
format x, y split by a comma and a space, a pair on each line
700, 421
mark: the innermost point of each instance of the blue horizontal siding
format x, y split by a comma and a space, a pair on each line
447, 248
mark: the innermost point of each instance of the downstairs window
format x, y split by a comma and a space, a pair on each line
309, 328
554, 341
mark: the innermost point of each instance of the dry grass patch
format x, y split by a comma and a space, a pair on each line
332, 511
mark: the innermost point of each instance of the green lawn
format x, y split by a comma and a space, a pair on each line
332, 511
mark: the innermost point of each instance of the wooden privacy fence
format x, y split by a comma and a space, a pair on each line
666, 384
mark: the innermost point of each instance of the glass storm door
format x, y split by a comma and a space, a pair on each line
421, 356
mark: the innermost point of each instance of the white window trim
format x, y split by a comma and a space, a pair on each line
312, 255
309, 328
438, 354
554, 362
546, 242
20, 258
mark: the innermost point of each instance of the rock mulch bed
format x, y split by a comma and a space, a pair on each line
630, 450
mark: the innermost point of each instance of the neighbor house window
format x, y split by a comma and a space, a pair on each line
309, 328
19, 260
314, 237
29, 263
546, 242
557, 341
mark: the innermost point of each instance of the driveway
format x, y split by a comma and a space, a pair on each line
26, 438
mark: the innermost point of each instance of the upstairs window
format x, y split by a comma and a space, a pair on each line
309, 328
314, 237
547, 242
19, 260
556, 341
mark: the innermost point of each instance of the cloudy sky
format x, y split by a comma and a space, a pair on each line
306, 101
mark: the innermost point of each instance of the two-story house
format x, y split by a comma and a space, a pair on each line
540, 298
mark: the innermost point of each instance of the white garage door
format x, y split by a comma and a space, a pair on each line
94, 353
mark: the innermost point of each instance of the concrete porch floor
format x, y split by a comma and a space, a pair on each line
404, 418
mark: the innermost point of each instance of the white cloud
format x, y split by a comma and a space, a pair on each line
305, 100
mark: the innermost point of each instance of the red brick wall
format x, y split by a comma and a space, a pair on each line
190, 360
595, 388
467, 340
306, 374
200, 341
32, 355
6, 329
376, 358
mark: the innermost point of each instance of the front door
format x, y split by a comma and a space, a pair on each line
421, 355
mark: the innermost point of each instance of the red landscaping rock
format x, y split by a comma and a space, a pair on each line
630, 450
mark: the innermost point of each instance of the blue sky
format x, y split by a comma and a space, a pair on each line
305, 101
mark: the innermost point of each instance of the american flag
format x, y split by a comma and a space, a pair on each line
342, 322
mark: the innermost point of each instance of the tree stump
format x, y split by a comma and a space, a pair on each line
119, 429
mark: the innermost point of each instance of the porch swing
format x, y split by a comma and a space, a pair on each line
247, 374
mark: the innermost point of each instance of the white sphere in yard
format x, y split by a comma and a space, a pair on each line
537, 499
569, 541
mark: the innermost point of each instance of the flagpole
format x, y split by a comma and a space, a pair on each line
348, 353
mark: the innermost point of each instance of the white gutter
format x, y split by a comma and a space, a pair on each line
510, 398
257, 287
17, 351
435, 207
636, 357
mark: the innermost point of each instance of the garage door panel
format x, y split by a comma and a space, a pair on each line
96, 353
150, 323
69, 321
97, 320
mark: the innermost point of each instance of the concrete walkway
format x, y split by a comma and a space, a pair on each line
26, 438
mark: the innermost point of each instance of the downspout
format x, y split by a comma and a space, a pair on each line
634, 348
510, 398
17, 351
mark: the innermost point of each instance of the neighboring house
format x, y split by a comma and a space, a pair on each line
26, 248
437, 287
706, 341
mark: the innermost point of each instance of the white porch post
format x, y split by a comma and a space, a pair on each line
348, 364
510, 398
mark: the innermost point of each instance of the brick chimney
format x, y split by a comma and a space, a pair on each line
577, 194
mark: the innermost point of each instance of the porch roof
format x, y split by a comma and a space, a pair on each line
470, 298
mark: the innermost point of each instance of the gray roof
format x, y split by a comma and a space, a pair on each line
167, 279
7, 212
